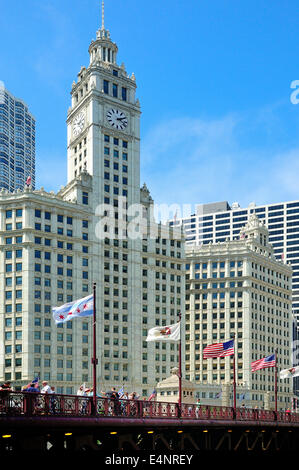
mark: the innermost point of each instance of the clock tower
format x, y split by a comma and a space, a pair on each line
137, 271
103, 133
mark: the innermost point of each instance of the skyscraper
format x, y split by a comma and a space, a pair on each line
17, 142
54, 246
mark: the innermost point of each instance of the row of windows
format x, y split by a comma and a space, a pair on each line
116, 153
218, 305
116, 178
215, 265
116, 192
47, 255
116, 141
60, 218
60, 244
113, 89
60, 270
216, 285
18, 226
215, 275
9, 213
60, 230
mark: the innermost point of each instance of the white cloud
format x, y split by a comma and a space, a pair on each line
193, 160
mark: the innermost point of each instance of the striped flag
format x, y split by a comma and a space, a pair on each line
78, 308
269, 361
35, 382
219, 349
121, 392
153, 395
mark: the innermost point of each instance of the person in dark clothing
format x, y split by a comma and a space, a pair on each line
32, 388
30, 401
6, 387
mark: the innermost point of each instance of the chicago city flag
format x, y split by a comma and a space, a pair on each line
164, 333
78, 308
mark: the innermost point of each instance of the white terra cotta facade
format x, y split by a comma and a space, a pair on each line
54, 246
238, 288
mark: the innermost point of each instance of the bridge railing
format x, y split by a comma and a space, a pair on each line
36, 404
206, 412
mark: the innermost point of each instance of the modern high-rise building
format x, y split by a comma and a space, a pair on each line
238, 289
219, 221
98, 228
17, 142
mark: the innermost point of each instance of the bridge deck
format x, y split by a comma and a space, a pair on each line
54, 423
21, 408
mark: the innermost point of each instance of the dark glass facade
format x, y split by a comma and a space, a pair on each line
17, 143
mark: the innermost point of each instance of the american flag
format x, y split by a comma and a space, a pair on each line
219, 349
153, 395
269, 361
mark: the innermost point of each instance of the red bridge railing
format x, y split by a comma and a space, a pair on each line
35, 404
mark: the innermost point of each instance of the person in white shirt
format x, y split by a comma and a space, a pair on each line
81, 390
46, 387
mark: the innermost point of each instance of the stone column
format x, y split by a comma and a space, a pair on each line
267, 401
225, 394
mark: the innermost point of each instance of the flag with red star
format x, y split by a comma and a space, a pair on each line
78, 308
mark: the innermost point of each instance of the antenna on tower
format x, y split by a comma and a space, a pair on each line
103, 15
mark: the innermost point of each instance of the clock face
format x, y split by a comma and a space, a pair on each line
117, 119
78, 123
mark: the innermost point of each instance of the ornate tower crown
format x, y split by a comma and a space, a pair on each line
103, 49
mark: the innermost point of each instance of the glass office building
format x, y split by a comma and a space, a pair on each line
17, 142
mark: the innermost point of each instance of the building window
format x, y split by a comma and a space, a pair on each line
85, 198
106, 87
114, 90
124, 93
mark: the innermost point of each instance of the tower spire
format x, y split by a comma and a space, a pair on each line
103, 15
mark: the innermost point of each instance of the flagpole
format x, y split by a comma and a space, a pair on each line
234, 379
180, 366
275, 381
94, 360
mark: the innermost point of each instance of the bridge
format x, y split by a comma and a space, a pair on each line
34, 422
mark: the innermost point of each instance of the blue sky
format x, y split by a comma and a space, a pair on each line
213, 81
